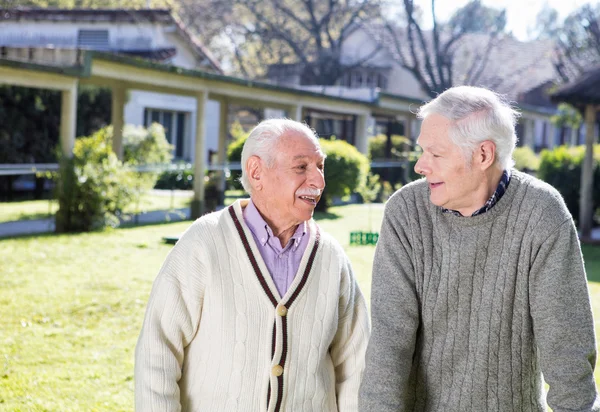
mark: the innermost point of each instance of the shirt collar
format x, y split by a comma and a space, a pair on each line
261, 229
491, 202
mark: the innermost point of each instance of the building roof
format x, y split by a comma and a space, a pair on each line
583, 91
161, 16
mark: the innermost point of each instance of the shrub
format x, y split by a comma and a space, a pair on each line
181, 178
346, 170
400, 144
234, 155
94, 186
526, 160
401, 150
561, 167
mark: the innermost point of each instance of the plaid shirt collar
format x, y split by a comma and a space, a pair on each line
500, 190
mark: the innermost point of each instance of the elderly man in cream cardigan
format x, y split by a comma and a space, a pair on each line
256, 308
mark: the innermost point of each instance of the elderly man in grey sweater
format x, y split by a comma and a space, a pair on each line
478, 282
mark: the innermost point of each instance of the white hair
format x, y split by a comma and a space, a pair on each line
262, 142
477, 114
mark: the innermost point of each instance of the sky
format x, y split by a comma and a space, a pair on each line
521, 14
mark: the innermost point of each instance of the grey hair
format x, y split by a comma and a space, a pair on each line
262, 142
477, 114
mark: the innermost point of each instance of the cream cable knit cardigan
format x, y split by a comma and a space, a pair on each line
218, 337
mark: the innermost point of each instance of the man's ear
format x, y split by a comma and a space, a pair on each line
485, 155
253, 170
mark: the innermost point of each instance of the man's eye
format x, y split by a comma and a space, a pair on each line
301, 167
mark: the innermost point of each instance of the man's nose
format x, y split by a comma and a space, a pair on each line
317, 179
421, 167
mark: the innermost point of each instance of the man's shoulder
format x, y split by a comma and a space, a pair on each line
537, 190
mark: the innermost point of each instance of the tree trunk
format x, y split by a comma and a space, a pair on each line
586, 212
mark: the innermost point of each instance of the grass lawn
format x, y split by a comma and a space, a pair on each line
72, 307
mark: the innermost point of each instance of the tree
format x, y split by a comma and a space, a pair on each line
308, 32
578, 42
431, 55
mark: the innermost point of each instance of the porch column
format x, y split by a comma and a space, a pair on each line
199, 157
295, 113
587, 174
118, 106
222, 150
68, 119
360, 134
528, 133
408, 129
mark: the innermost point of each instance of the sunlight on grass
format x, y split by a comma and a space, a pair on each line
72, 307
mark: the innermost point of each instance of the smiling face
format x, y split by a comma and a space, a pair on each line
454, 182
286, 193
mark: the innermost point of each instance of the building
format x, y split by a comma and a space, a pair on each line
56, 36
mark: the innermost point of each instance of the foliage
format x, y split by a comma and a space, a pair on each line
234, 155
577, 42
30, 123
182, 178
145, 146
561, 167
346, 170
94, 187
525, 159
259, 34
377, 146
568, 116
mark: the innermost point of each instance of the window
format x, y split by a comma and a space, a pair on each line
93, 39
174, 124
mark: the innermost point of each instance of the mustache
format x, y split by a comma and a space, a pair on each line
309, 192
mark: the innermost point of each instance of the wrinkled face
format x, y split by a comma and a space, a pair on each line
294, 184
452, 180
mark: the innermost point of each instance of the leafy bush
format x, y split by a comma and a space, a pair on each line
94, 186
182, 178
401, 150
561, 167
234, 155
400, 144
526, 160
346, 170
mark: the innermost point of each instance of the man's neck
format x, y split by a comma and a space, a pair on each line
491, 179
283, 230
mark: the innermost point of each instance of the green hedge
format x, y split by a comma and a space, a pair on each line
561, 167
94, 186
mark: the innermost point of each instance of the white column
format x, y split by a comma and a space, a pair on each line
118, 106
528, 132
199, 158
587, 174
68, 119
222, 152
360, 134
295, 113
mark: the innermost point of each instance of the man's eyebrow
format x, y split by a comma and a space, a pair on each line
299, 157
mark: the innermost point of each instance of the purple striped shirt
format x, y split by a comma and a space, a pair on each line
283, 263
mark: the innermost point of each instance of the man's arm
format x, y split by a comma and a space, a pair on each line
394, 317
171, 320
350, 342
562, 322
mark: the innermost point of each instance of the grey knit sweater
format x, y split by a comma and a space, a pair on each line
467, 312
